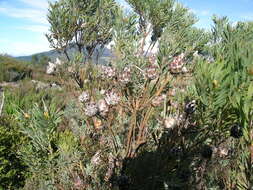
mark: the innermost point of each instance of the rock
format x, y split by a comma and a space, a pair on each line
40, 85
55, 86
9, 84
44, 86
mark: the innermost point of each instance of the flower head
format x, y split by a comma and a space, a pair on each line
152, 59
170, 122
84, 97
91, 109
125, 76
177, 64
184, 70
71, 69
151, 72
223, 152
51, 68
103, 107
112, 98
96, 160
158, 100
108, 72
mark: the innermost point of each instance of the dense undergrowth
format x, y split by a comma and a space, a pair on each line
12, 70
176, 118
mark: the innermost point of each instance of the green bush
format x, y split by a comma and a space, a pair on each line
224, 91
12, 169
13, 70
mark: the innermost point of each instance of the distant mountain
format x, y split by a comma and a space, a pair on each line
52, 54
103, 54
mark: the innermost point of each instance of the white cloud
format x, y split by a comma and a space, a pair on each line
34, 15
247, 16
34, 11
201, 12
41, 4
25, 48
35, 28
205, 13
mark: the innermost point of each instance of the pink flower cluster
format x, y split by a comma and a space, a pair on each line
158, 100
84, 97
152, 72
112, 98
177, 65
108, 72
101, 107
91, 109
125, 76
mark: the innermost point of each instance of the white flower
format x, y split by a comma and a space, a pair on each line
184, 70
96, 160
86, 81
51, 68
83, 25
91, 109
71, 69
112, 98
103, 107
102, 91
84, 97
196, 54
170, 122
58, 61
223, 152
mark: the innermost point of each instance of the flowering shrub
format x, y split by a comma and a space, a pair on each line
164, 119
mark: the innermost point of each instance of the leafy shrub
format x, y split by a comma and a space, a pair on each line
13, 70
12, 169
224, 91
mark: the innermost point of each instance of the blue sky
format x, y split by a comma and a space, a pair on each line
23, 23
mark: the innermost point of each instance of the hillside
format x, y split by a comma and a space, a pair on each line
53, 54
12, 69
